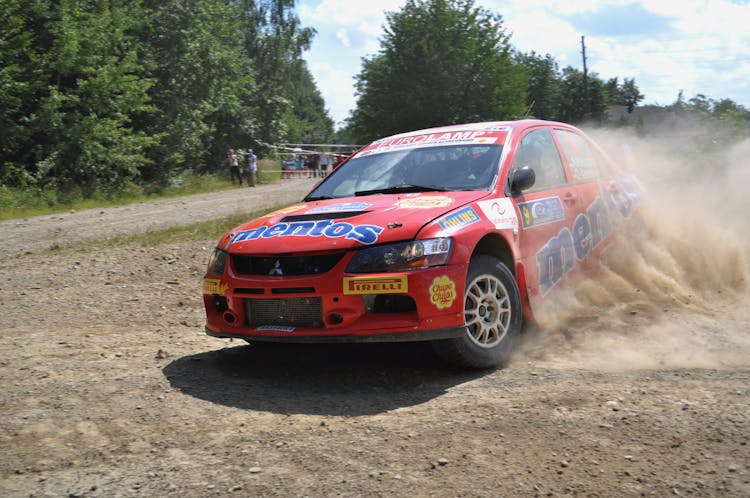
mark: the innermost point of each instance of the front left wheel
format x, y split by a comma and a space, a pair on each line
493, 316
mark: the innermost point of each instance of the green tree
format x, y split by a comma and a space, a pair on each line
545, 85
202, 84
22, 83
441, 61
721, 122
83, 91
582, 100
287, 103
626, 94
309, 121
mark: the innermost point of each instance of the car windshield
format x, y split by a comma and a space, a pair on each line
442, 168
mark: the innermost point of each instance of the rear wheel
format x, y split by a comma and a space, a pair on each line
492, 311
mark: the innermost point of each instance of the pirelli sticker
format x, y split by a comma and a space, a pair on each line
376, 285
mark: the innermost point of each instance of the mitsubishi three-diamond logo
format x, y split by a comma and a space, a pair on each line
276, 270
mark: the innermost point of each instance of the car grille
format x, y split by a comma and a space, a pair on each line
290, 312
285, 265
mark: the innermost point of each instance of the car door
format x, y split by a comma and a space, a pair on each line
546, 211
606, 199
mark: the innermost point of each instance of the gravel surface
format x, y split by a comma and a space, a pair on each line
639, 386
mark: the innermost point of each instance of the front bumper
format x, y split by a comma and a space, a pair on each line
424, 304
427, 335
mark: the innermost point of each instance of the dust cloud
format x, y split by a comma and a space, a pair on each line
673, 290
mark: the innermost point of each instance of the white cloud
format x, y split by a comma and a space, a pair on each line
343, 37
704, 48
336, 87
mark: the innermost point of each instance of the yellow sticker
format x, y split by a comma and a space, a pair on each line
425, 202
213, 286
442, 292
376, 285
526, 215
286, 210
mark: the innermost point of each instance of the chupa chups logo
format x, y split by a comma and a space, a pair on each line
366, 234
442, 292
376, 285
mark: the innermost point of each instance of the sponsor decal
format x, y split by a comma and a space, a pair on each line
425, 202
459, 219
365, 234
337, 208
274, 328
495, 128
213, 286
442, 292
562, 252
376, 285
458, 137
500, 212
286, 210
541, 211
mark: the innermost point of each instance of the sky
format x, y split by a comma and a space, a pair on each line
699, 47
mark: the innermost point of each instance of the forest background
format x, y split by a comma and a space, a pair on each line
114, 98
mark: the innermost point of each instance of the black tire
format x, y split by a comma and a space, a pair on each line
492, 309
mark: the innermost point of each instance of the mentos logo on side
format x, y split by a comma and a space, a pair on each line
366, 234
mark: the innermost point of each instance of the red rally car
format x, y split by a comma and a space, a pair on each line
452, 235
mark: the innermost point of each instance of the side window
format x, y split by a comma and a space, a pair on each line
539, 151
583, 160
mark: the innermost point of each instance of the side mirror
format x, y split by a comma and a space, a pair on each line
521, 179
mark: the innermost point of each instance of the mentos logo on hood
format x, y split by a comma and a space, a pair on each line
345, 223
365, 234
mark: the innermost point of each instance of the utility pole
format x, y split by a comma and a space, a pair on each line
587, 103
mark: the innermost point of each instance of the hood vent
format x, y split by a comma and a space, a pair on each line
322, 216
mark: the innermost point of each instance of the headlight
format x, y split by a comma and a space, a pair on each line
401, 256
217, 262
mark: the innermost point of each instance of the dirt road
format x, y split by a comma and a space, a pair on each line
640, 385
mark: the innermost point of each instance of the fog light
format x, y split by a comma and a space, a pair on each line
220, 303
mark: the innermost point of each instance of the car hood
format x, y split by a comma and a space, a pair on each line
340, 224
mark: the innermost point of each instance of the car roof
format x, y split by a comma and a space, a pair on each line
483, 125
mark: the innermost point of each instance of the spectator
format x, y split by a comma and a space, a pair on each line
234, 166
312, 165
287, 165
251, 167
325, 160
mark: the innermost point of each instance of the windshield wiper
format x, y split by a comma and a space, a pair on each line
397, 189
317, 198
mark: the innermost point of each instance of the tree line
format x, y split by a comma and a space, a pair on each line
449, 61
98, 93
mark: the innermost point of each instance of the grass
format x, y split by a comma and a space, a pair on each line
25, 203
204, 230
209, 229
